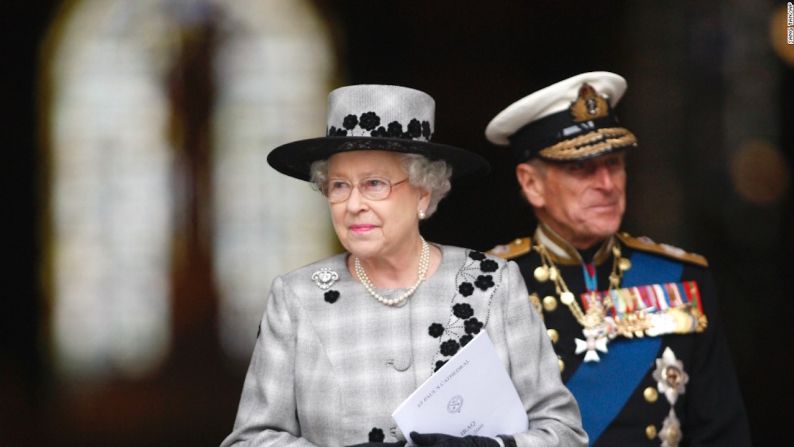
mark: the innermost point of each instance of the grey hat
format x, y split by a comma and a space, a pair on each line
375, 117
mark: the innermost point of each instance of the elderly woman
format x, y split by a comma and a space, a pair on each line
345, 340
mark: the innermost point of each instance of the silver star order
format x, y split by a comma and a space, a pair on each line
671, 379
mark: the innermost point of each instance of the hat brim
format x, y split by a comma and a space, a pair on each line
294, 159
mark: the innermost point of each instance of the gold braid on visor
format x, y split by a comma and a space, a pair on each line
590, 144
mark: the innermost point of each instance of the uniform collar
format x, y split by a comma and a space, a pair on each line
566, 254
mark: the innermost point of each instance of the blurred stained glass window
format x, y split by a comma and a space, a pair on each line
160, 115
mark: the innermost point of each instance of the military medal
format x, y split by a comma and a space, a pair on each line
597, 327
654, 309
596, 341
631, 312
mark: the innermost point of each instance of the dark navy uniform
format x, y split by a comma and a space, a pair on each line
710, 409
635, 324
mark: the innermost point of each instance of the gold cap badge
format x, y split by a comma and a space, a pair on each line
589, 105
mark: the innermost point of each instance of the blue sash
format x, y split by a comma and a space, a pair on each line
603, 388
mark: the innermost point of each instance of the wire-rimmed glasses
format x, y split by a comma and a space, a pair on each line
371, 188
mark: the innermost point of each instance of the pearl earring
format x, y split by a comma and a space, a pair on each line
421, 214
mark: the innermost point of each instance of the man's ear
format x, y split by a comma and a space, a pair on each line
530, 179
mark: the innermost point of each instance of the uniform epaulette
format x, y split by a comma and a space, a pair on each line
513, 249
646, 244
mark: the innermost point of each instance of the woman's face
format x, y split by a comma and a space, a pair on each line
375, 228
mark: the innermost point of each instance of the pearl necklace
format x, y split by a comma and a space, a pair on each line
424, 264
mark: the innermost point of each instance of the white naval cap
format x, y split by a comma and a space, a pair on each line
570, 120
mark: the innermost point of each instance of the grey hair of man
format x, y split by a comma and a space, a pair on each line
431, 176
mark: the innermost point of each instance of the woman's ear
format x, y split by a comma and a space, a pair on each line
532, 186
424, 199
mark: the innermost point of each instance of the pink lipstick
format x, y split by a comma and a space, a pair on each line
361, 228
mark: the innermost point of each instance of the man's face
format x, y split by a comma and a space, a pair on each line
583, 201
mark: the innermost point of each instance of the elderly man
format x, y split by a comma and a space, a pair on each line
634, 323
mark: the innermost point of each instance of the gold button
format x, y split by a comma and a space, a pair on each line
650, 431
560, 363
549, 303
541, 273
553, 335
650, 394
624, 264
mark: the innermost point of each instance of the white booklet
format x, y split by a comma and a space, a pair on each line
471, 394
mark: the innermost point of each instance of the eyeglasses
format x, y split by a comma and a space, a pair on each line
372, 188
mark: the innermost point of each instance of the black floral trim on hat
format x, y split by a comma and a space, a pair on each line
370, 122
350, 122
331, 296
426, 131
395, 129
379, 132
334, 132
415, 128
376, 435
470, 307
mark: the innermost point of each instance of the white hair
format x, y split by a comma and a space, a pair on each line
432, 176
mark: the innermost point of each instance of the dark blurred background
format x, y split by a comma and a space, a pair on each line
711, 90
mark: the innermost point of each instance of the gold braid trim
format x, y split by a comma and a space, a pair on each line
592, 143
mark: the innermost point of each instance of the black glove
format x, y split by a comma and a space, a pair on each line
380, 444
440, 440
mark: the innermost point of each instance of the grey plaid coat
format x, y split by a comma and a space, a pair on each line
330, 365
